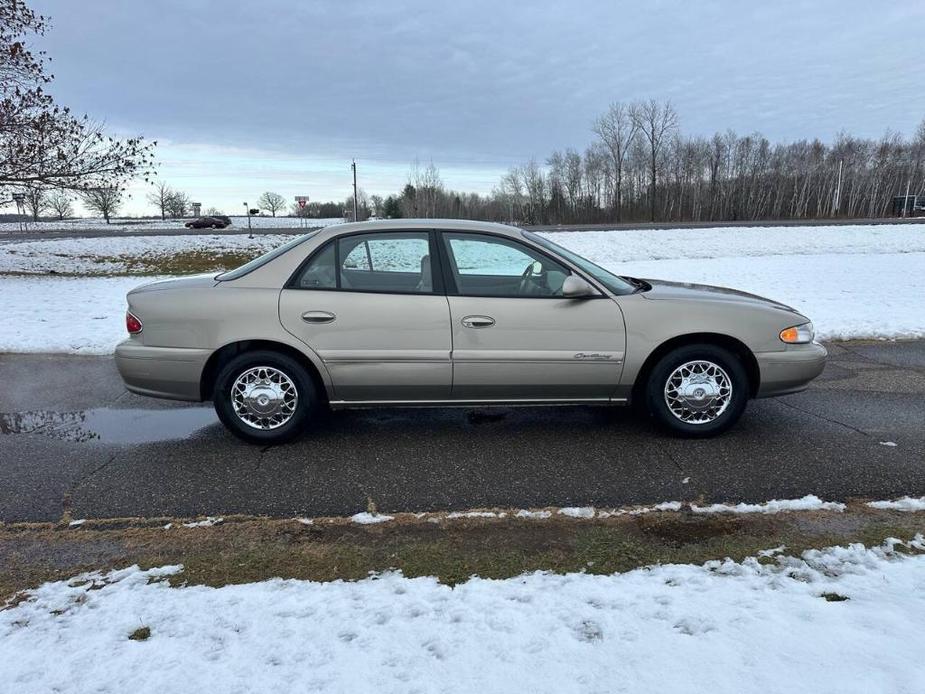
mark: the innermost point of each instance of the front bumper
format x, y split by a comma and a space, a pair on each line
790, 370
161, 372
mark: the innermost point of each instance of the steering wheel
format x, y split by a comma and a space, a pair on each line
528, 279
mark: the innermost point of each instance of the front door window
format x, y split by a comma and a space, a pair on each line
483, 265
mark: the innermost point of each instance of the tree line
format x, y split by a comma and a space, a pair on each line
640, 167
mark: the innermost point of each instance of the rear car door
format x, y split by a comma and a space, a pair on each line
515, 336
373, 310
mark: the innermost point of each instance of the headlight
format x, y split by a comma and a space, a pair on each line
798, 334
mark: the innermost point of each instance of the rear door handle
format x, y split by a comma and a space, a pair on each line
318, 317
478, 321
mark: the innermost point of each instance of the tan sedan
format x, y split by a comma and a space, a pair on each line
444, 312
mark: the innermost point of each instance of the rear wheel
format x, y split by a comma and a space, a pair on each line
264, 397
697, 390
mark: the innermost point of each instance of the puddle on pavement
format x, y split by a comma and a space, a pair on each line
115, 426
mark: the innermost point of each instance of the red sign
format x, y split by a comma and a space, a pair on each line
301, 203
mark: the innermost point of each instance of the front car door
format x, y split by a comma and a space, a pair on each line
372, 309
515, 336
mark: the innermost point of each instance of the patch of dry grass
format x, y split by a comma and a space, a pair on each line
242, 550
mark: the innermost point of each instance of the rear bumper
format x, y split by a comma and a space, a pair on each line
161, 372
790, 370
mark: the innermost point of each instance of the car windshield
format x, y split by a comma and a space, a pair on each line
616, 284
259, 261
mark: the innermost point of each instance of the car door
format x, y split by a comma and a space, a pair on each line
515, 336
376, 314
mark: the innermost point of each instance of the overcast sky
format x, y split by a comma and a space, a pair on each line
280, 94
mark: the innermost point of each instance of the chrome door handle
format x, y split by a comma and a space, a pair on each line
318, 316
478, 321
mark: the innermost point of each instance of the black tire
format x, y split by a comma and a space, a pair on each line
655, 390
307, 397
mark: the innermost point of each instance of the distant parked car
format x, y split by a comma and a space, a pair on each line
447, 312
218, 221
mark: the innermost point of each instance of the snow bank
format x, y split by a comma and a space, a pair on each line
907, 503
453, 515
721, 627
809, 502
577, 511
366, 518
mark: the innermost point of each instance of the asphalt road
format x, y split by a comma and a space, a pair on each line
119, 231
73, 440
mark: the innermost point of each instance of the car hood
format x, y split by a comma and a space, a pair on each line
681, 291
190, 282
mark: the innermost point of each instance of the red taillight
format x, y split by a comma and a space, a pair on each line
132, 324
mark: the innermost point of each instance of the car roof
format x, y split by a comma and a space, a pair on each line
410, 224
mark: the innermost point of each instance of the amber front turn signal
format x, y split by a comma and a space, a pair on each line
798, 334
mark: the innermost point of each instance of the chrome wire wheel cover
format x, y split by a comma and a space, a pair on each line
698, 392
264, 398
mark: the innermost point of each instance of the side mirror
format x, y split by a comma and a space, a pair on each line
575, 287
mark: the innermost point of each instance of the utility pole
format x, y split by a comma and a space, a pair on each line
356, 217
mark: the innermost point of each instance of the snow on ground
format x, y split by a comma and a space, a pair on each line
846, 296
852, 281
906, 503
129, 224
610, 248
366, 518
76, 256
64, 314
810, 502
721, 627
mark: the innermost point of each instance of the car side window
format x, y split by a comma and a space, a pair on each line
484, 265
320, 272
386, 262
395, 262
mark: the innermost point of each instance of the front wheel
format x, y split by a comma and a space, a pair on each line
264, 397
697, 390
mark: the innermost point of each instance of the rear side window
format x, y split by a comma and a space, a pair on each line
263, 259
394, 262
320, 272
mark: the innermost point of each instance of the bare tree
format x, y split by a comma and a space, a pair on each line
42, 142
362, 206
60, 203
178, 204
428, 188
616, 129
36, 201
656, 122
274, 202
160, 198
105, 201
